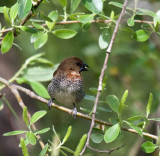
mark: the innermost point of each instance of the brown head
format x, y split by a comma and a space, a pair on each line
71, 64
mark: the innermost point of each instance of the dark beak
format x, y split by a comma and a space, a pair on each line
84, 67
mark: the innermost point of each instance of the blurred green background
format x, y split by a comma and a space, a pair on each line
132, 65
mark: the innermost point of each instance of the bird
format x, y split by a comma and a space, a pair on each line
66, 86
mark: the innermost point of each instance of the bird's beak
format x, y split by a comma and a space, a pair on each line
84, 67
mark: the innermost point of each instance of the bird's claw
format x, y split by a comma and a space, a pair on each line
74, 112
49, 104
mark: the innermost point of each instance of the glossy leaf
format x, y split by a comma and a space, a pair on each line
39, 89
137, 129
104, 39
54, 16
35, 36
7, 42
41, 40
64, 33
97, 137
134, 118
44, 150
85, 18
24, 7
141, 35
89, 97
148, 12
148, 147
31, 138
80, 145
67, 134
28, 29
113, 102
74, 5
149, 105
24, 148
36, 116
6, 14
14, 12
40, 73
95, 6
130, 21
25, 117
37, 26
42, 131
14, 133
112, 133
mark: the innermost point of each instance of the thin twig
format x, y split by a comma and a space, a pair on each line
21, 103
35, 96
102, 75
74, 22
106, 151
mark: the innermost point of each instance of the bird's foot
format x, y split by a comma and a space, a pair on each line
50, 104
74, 112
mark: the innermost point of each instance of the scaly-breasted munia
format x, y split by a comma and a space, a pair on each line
66, 86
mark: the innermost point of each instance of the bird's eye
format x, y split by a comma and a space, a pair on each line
78, 64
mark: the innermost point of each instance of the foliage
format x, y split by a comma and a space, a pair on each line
37, 69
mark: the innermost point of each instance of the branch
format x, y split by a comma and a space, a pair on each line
69, 111
74, 22
22, 105
102, 75
105, 151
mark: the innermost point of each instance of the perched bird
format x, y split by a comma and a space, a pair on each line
66, 86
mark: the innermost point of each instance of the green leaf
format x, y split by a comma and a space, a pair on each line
64, 33
25, 117
130, 21
67, 134
86, 26
7, 42
41, 40
89, 97
29, 29
137, 129
157, 19
113, 102
63, 2
36, 116
93, 90
148, 12
44, 17
141, 35
134, 118
85, 18
123, 100
40, 73
14, 133
6, 15
149, 105
80, 145
37, 26
148, 147
35, 36
24, 7
67, 149
44, 150
54, 16
112, 133
155, 119
74, 5
24, 148
95, 6
42, 131
31, 137
14, 12
119, 5
39, 89
97, 137
104, 39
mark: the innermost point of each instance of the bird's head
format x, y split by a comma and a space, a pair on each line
72, 64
